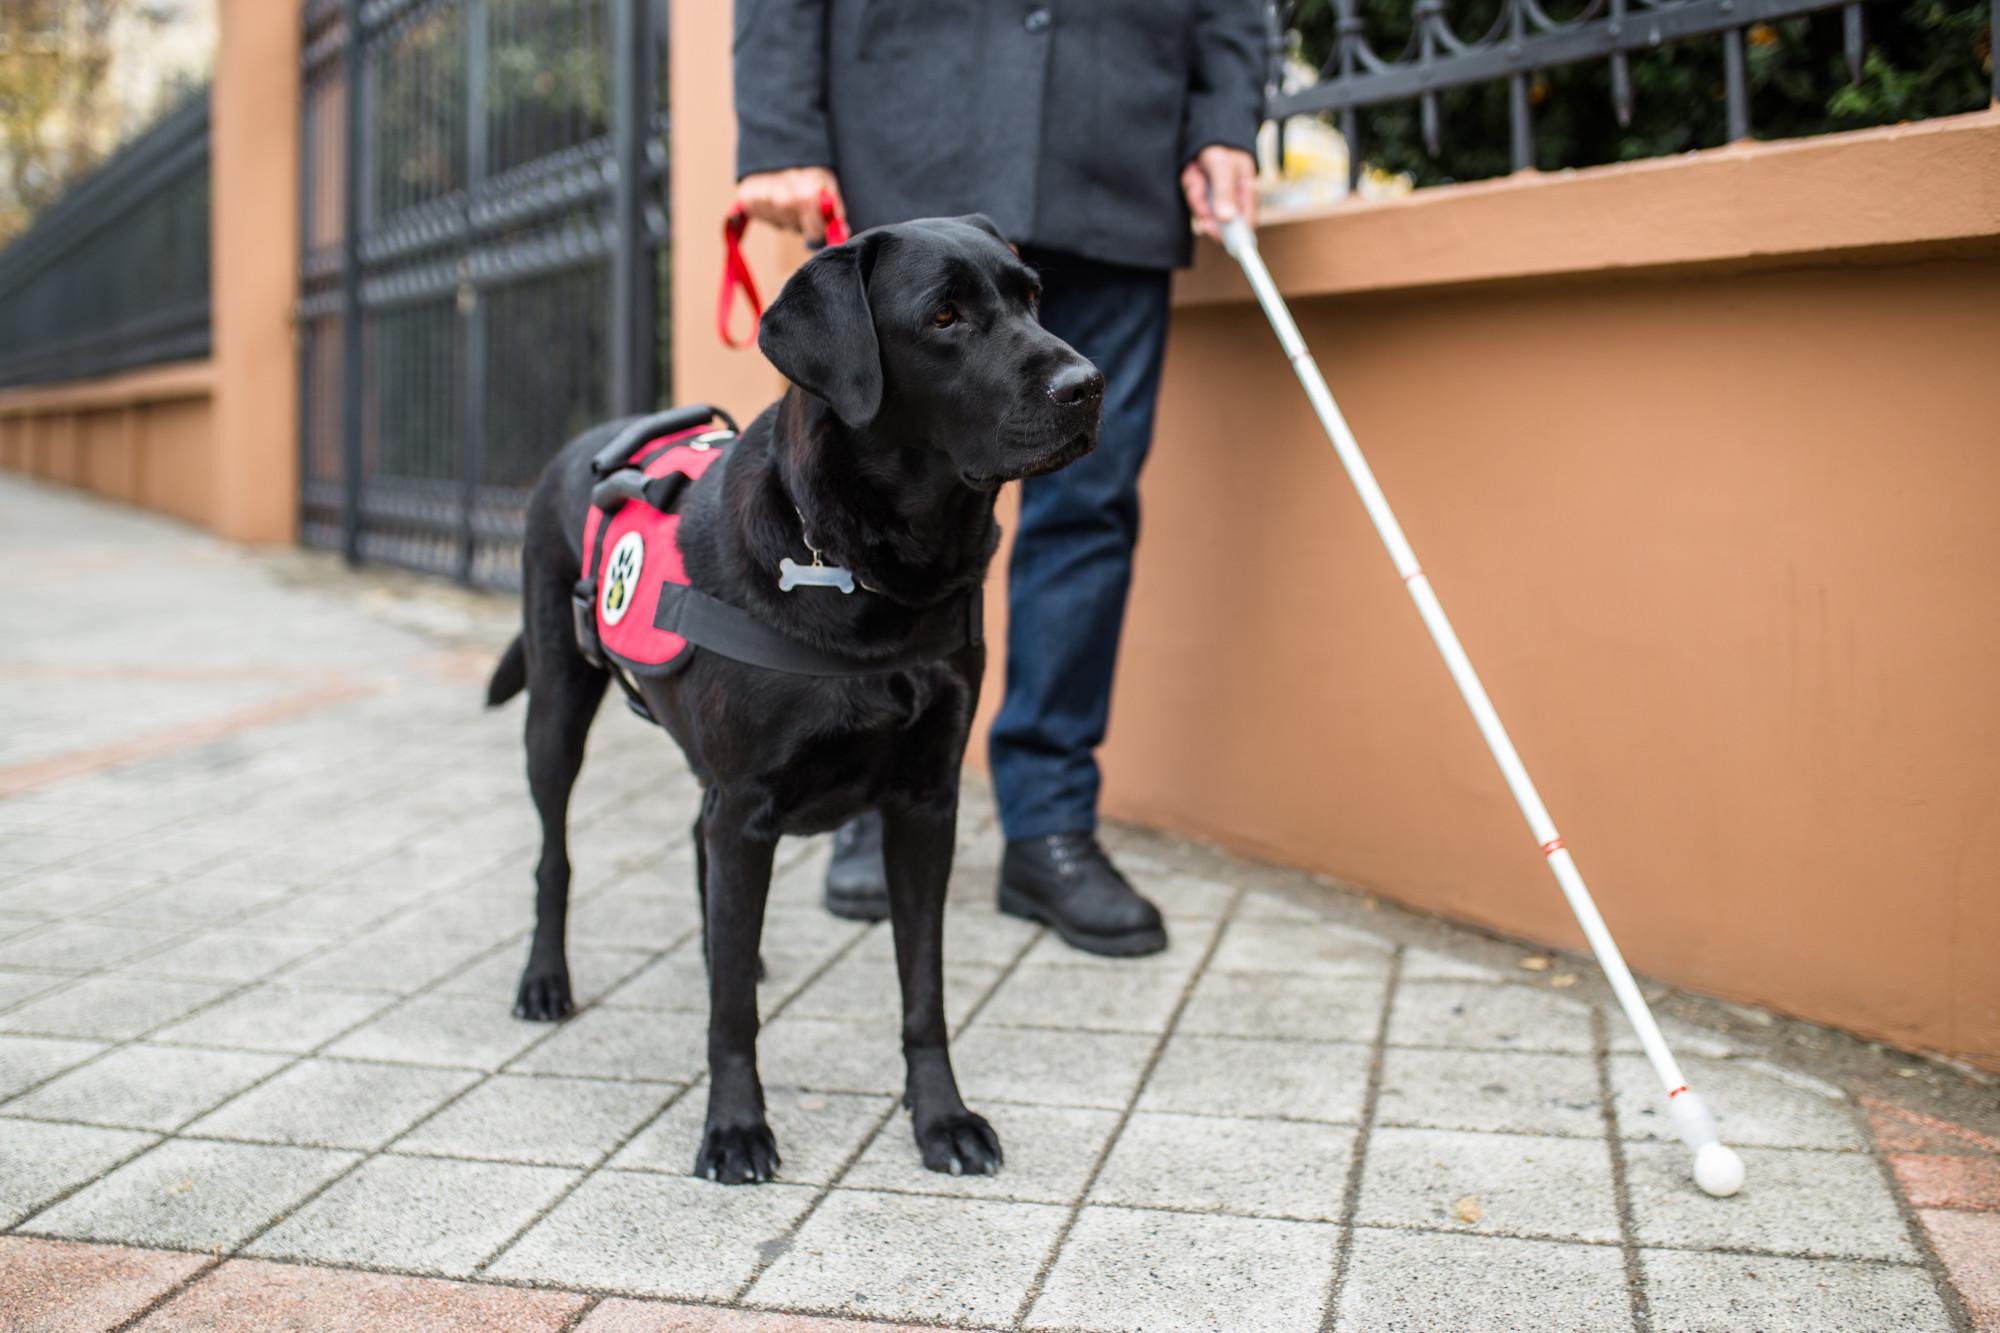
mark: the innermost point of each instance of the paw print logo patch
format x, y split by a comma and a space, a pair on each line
621, 577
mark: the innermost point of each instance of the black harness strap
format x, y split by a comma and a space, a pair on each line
734, 633
661, 493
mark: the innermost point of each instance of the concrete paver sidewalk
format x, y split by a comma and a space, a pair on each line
265, 884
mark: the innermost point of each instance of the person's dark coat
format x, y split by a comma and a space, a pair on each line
1065, 121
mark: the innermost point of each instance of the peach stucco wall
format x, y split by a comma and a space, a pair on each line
214, 442
1702, 455
1723, 549
144, 438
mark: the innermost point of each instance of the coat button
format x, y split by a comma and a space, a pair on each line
1037, 21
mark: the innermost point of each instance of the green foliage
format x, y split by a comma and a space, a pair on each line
1925, 58
53, 101
548, 87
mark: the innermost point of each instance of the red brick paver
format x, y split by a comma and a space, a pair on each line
1940, 1180
620, 1316
1969, 1244
1951, 1174
251, 1296
57, 1286
19, 778
1900, 1130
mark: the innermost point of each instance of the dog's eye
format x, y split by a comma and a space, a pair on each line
1035, 302
944, 316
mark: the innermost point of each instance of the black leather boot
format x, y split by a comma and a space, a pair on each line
1066, 881
857, 887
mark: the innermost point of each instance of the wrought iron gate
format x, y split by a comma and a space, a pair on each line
483, 246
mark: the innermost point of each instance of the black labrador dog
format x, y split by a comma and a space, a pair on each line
921, 380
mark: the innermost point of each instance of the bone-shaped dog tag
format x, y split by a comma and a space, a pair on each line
792, 574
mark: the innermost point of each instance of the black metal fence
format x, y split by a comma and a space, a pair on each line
1522, 40
484, 261
115, 274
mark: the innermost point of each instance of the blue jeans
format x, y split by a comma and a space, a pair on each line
1072, 561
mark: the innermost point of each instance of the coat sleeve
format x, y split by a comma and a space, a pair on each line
780, 73
1225, 101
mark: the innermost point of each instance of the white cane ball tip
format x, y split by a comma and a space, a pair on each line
1718, 1170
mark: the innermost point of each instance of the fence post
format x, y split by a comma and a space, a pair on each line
350, 294
302, 341
471, 301
632, 283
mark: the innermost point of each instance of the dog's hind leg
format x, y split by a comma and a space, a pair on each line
736, 1143
564, 691
917, 848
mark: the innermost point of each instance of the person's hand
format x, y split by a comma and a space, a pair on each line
790, 199
1221, 183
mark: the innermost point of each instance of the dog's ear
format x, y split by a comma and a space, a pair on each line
820, 333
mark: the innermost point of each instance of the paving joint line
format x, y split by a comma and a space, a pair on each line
1636, 1294
1736, 1251
582, 1313
1350, 1203
1407, 1228
132, 1320
525, 1285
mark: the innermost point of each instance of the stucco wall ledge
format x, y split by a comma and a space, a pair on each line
1932, 187
154, 384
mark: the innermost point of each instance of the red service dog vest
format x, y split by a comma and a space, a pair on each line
636, 550
637, 612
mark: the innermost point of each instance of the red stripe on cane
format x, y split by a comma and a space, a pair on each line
1552, 846
1413, 574
1677, 1092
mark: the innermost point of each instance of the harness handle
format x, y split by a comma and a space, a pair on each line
736, 271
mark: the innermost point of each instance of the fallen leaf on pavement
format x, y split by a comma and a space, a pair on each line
1563, 980
1534, 962
1467, 1210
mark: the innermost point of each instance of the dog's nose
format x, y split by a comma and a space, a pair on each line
1077, 385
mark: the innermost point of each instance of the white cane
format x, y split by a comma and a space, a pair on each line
1717, 1168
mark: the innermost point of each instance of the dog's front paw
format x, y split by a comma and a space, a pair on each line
962, 1144
544, 995
737, 1154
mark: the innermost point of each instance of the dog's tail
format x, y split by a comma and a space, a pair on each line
510, 677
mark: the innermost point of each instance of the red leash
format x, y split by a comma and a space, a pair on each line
736, 273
